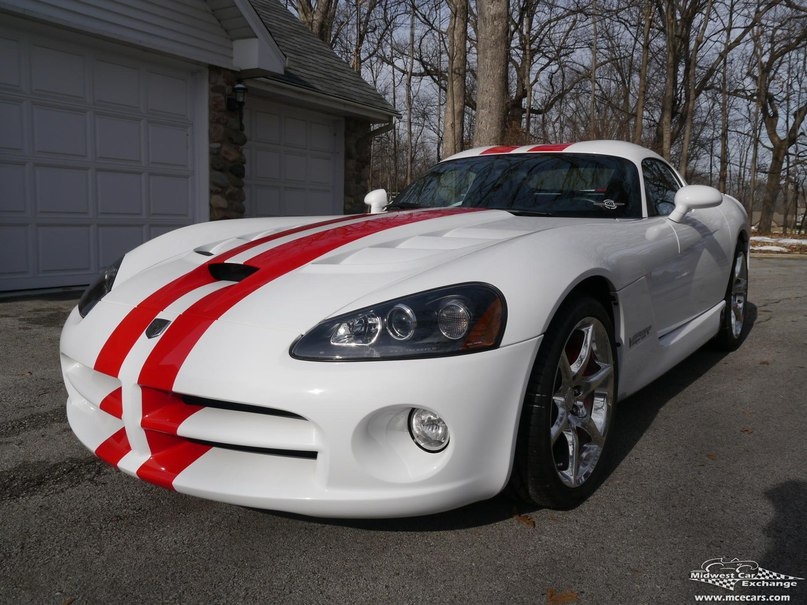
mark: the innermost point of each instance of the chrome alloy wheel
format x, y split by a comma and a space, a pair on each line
583, 398
739, 293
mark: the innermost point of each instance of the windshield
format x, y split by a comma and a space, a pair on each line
531, 184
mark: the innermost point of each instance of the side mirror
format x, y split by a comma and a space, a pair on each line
376, 200
692, 197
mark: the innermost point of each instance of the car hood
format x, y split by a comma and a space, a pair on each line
279, 274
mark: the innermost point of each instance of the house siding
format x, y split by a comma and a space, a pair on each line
183, 28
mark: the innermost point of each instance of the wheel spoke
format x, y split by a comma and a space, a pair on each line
573, 445
740, 287
589, 426
583, 357
566, 373
590, 384
561, 424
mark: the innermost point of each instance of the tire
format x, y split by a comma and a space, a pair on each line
732, 320
568, 409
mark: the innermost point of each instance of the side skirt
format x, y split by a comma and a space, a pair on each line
658, 355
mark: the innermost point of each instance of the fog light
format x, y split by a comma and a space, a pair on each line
428, 430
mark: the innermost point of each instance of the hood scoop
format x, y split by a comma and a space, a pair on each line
230, 271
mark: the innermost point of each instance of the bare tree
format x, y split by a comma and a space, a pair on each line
786, 36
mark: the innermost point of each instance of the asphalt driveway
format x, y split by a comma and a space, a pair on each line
711, 462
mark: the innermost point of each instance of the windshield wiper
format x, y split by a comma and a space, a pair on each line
521, 212
403, 206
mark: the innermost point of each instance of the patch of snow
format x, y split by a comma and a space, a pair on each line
769, 249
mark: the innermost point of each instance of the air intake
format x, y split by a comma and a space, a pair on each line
230, 271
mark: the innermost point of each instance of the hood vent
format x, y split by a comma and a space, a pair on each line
230, 271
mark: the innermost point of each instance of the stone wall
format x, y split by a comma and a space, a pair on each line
227, 139
357, 164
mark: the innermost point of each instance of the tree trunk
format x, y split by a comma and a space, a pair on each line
641, 95
691, 91
492, 55
723, 177
410, 143
772, 188
722, 182
780, 147
592, 103
670, 79
318, 17
454, 133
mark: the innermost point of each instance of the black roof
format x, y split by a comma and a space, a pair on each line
312, 65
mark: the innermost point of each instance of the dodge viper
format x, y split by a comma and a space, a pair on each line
472, 335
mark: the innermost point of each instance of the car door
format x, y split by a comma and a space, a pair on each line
688, 283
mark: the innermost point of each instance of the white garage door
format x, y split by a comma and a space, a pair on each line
96, 155
294, 160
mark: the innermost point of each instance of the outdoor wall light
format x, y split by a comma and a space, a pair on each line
235, 101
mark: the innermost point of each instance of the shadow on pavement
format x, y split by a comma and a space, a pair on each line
787, 536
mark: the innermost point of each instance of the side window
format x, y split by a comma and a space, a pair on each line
660, 185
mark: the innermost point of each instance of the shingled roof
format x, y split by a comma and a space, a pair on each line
313, 66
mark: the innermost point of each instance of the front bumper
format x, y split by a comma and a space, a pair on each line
247, 424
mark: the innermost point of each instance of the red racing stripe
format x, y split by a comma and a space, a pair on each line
164, 412
115, 448
162, 365
550, 147
170, 454
175, 456
112, 404
499, 149
120, 342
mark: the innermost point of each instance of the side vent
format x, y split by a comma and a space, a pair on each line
238, 407
230, 271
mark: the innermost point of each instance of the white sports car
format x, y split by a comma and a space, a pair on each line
474, 336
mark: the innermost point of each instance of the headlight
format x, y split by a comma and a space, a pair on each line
99, 288
447, 321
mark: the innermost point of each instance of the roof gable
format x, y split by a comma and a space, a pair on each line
311, 65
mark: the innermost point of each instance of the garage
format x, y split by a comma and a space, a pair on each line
118, 122
295, 162
98, 152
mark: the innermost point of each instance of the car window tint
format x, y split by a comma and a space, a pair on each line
558, 184
660, 184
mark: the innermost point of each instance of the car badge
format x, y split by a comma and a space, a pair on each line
157, 327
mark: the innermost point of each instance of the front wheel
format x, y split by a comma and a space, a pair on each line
567, 413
